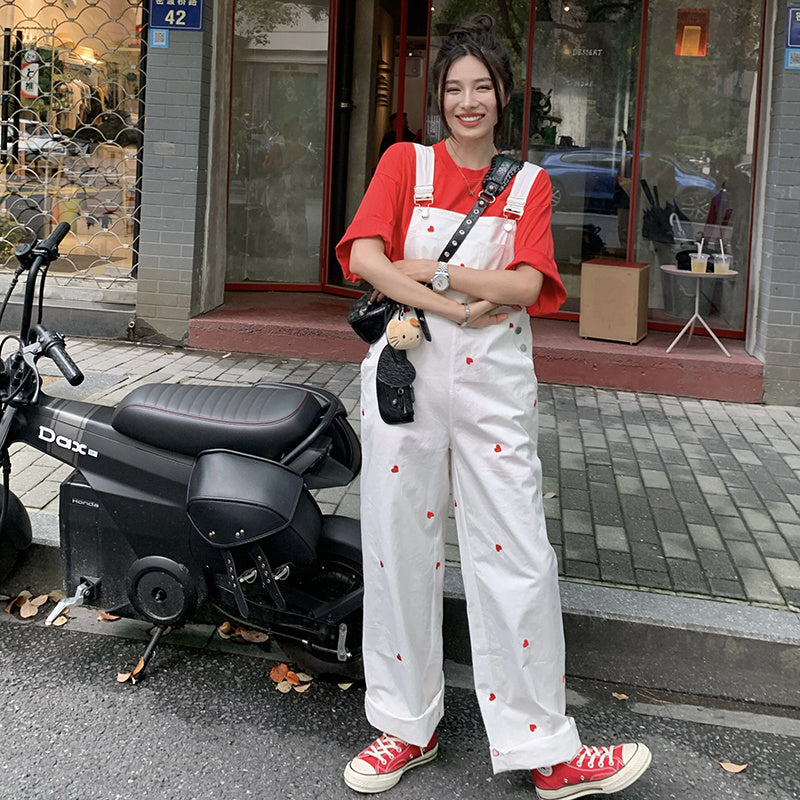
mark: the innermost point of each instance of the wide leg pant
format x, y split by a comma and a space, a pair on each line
476, 424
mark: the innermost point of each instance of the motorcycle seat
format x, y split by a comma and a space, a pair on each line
266, 420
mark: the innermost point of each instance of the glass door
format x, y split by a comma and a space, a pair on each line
276, 167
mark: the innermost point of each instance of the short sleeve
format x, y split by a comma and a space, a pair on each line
381, 212
533, 245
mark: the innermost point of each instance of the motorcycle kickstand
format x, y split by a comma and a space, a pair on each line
155, 637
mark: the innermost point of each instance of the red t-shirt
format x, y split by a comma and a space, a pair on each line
388, 204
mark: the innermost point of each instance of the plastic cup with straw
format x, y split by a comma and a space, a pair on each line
722, 260
699, 261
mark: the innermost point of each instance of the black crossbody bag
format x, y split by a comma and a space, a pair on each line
369, 318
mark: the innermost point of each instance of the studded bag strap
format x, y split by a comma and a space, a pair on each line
500, 174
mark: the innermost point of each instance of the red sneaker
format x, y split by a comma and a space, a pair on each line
381, 765
595, 770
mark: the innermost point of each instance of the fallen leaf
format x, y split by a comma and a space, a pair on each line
284, 687
620, 696
302, 688
104, 616
278, 672
253, 637
735, 768
4, 597
18, 601
344, 686
292, 678
62, 620
122, 677
227, 355
56, 595
550, 495
225, 629
40, 600
28, 610
139, 667
304, 677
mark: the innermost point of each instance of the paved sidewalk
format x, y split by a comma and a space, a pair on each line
694, 497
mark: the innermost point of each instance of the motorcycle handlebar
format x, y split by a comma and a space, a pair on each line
53, 347
55, 237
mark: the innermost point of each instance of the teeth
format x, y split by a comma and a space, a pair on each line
471, 119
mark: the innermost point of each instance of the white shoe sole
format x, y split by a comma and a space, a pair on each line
630, 773
372, 784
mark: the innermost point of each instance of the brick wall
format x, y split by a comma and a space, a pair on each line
174, 183
777, 335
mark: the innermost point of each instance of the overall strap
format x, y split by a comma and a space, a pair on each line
423, 183
520, 189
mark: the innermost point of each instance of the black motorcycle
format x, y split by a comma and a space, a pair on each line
190, 502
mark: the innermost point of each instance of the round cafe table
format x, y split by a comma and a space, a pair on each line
671, 269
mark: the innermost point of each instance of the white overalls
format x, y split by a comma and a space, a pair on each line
475, 421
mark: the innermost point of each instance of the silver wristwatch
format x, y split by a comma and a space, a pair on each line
441, 278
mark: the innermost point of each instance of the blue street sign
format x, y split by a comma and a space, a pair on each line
177, 15
793, 27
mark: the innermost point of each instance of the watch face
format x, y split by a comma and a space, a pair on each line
440, 282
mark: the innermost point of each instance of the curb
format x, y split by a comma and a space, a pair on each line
658, 641
665, 642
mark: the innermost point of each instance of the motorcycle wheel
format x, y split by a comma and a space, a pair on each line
16, 530
331, 579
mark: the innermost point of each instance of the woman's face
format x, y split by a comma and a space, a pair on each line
470, 103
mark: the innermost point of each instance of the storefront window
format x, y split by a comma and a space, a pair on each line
697, 143
69, 138
280, 63
583, 92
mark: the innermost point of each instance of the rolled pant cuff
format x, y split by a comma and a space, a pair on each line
542, 753
417, 730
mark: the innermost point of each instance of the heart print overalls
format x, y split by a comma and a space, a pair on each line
475, 424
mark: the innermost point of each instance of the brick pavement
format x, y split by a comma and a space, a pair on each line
660, 493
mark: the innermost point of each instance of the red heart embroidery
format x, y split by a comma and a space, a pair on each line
534, 403
526, 643
510, 324
497, 448
399, 657
495, 751
498, 547
395, 468
532, 727
430, 228
362, 412
492, 696
431, 515
455, 504
563, 678
381, 564
438, 564
469, 360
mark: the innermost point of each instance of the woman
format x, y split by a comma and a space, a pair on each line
475, 424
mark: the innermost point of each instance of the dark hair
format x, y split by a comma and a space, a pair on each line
475, 37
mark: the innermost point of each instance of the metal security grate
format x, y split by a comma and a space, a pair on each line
70, 133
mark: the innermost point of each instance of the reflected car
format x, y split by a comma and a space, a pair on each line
44, 145
586, 179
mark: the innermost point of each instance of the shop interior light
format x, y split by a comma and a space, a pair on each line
691, 32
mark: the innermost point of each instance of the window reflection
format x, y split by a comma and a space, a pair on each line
582, 110
702, 122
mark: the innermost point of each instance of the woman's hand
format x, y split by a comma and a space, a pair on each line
482, 314
418, 269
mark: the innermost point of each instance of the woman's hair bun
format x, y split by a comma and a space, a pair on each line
478, 23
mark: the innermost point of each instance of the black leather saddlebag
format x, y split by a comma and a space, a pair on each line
235, 499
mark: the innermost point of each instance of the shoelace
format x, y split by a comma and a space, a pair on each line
383, 746
604, 756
